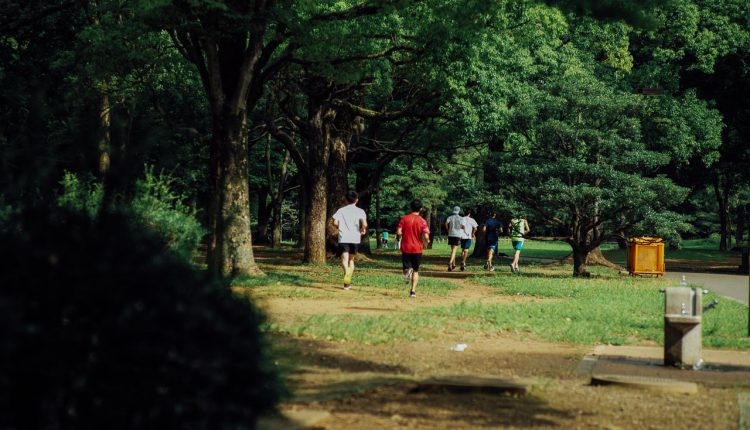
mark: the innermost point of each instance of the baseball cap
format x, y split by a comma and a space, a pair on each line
456, 210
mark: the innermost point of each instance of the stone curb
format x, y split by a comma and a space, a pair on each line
662, 385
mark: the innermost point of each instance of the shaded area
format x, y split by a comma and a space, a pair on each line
397, 405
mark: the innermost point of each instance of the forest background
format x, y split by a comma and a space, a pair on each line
227, 123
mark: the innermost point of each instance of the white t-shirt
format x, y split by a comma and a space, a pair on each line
349, 218
469, 224
455, 226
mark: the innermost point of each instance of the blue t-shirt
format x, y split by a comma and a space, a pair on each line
492, 226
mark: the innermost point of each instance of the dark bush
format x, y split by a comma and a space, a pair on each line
100, 329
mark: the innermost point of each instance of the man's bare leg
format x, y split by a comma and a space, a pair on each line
414, 282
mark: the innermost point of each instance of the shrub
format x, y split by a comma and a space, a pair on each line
81, 194
164, 212
155, 205
100, 329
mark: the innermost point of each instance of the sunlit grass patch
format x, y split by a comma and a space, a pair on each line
395, 281
609, 309
366, 329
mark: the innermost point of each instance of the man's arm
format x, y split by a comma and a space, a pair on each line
362, 226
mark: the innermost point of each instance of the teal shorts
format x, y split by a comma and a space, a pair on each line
517, 245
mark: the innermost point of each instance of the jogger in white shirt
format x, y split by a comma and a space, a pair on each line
352, 224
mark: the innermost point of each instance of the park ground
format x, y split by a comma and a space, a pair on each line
359, 354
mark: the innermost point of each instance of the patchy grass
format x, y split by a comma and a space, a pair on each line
605, 309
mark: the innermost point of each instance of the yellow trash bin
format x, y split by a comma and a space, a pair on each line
646, 256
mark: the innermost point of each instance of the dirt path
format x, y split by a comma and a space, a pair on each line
369, 386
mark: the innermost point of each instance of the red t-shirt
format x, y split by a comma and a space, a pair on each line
412, 228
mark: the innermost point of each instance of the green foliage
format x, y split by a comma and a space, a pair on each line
156, 206
100, 329
683, 127
81, 194
574, 153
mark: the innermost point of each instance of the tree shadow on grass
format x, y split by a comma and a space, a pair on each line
311, 352
343, 384
396, 402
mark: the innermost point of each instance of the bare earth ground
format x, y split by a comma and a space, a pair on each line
368, 386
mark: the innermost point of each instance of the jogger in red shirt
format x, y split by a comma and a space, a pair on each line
414, 233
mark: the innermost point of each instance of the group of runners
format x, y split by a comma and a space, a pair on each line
413, 234
462, 231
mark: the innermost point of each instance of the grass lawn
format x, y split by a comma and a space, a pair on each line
543, 302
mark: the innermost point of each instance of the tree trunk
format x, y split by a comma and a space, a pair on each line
723, 213
213, 254
104, 147
235, 237
337, 174
378, 236
739, 232
277, 197
303, 203
317, 206
315, 234
580, 256
265, 209
595, 257
276, 223
104, 144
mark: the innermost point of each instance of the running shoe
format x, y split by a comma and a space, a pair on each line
412, 294
512, 268
492, 268
463, 266
347, 287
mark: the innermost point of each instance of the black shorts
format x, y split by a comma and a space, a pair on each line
454, 241
351, 248
411, 261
